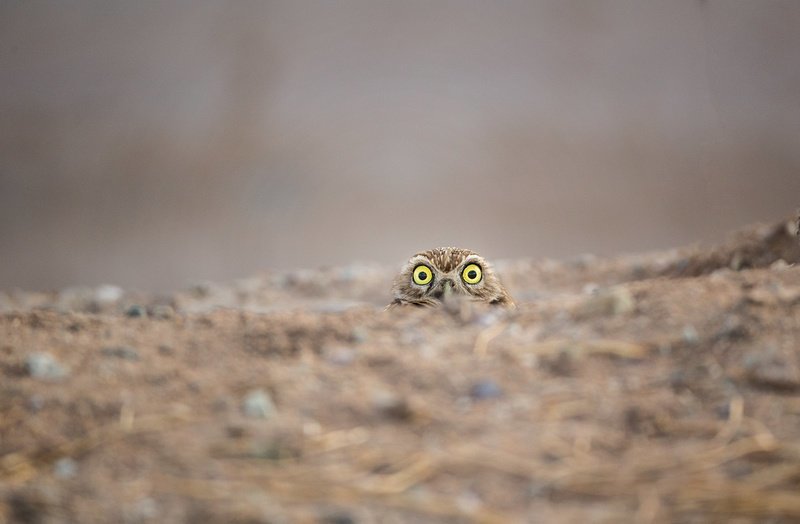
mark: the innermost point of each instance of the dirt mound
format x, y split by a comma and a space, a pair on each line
658, 388
759, 246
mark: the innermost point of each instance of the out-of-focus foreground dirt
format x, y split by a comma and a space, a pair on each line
656, 388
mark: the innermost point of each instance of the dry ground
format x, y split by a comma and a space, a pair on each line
656, 388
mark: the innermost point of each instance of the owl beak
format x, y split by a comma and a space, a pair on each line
450, 299
447, 289
445, 292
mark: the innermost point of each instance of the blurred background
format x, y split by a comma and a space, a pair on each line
157, 144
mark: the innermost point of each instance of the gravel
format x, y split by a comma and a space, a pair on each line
45, 367
162, 312
607, 302
485, 389
108, 294
65, 468
123, 352
136, 311
258, 404
391, 405
772, 370
340, 355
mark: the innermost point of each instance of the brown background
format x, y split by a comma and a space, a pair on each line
157, 144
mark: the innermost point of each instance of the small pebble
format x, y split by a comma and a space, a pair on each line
77, 299
737, 261
793, 227
123, 352
469, 502
763, 296
359, 335
590, 288
789, 295
391, 405
682, 265
485, 389
721, 274
258, 404
312, 428
771, 370
108, 294
732, 329
563, 363
340, 356
163, 312
623, 301
272, 448
488, 319
281, 280
44, 366
136, 311
690, 335
235, 431
201, 290
337, 518
412, 337
614, 301
65, 468
779, 265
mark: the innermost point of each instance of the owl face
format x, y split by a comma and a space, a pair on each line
433, 277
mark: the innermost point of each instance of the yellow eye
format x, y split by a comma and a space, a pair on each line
422, 275
472, 274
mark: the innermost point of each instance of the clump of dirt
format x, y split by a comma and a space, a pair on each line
662, 387
759, 246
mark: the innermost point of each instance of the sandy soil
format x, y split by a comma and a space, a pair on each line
662, 387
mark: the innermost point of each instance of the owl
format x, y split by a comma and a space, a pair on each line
434, 277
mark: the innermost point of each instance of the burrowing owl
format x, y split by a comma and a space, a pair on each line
433, 277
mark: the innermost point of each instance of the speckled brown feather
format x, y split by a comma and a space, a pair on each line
446, 259
447, 264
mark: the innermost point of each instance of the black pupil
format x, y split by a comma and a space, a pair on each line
472, 273
423, 274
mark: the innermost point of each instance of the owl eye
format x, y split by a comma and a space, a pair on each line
472, 274
422, 275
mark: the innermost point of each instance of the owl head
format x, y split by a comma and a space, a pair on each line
432, 277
